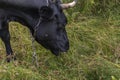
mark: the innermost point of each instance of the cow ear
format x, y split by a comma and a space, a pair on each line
46, 12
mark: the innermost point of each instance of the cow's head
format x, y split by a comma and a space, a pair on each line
51, 31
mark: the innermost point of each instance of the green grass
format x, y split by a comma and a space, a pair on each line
94, 53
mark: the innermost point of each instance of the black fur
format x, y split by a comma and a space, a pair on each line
50, 32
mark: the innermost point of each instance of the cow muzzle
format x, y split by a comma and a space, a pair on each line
60, 46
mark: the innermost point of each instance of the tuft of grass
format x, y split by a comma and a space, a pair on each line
100, 68
11, 72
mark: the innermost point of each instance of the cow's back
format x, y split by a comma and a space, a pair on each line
23, 3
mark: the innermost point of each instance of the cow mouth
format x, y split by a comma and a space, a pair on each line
59, 47
55, 46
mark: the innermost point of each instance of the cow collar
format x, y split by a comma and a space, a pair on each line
35, 60
39, 21
47, 2
36, 26
34, 55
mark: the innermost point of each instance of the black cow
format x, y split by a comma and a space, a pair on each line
44, 18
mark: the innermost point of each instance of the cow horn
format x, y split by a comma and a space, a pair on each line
69, 5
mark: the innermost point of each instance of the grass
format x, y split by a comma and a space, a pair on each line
93, 55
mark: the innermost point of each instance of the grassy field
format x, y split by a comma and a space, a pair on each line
94, 53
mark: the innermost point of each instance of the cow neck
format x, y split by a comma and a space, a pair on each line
39, 20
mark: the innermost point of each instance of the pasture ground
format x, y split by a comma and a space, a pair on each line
94, 53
